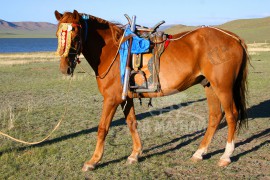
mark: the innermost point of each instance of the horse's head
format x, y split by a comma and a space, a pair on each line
69, 40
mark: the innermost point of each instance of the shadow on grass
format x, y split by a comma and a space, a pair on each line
192, 137
260, 110
257, 111
118, 122
172, 146
235, 158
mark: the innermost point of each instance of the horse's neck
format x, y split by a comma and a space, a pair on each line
99, 44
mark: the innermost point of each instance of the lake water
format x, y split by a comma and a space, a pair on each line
13, 45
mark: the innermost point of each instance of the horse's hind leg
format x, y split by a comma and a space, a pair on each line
108, 111
231, 115
215, 116
128, 109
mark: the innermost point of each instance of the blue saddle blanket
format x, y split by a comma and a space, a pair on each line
139, 45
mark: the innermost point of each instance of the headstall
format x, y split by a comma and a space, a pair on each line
64, 39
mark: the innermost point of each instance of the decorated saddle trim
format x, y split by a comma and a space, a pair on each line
167, 42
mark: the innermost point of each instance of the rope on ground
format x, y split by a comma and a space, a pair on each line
49, 135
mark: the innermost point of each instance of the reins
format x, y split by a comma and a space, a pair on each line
49, 135
108, 69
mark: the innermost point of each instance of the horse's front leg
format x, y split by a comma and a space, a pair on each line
108, 111
128, 109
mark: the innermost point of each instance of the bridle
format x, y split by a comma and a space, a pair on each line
69, 47
75, 49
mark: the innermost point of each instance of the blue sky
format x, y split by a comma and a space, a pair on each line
188, 12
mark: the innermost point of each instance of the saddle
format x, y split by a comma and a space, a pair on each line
144, 76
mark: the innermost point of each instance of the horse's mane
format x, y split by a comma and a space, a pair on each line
117, 29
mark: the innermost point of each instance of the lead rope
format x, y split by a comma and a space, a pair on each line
47, 137
106, 72
108, 69
220, 30
234, 37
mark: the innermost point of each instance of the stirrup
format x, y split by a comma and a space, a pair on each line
132, 75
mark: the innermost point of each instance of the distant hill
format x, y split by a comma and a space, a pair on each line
163, 27
251, 30
179, 28
26, 29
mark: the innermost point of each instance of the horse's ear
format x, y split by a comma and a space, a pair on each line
76, 15
58, 15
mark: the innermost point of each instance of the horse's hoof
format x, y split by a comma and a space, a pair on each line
195, 159
223, 163
132, 160
88, 167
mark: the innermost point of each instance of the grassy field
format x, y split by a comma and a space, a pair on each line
33, 96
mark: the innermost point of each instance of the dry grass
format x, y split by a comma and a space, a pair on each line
16, 62
26, 58
28, 55
259, 47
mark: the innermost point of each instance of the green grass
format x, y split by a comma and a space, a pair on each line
34, 95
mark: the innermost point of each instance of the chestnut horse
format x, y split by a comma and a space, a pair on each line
206, 53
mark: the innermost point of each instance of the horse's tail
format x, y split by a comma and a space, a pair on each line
240, 89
